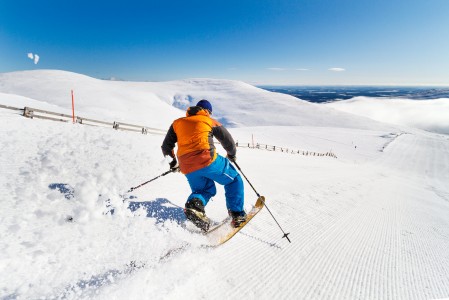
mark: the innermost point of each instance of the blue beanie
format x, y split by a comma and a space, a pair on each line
205, 105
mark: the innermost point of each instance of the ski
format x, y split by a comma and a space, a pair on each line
224, 231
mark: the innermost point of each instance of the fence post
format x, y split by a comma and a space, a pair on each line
73, 108
25, 111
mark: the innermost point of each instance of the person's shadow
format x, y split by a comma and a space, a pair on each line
160, 209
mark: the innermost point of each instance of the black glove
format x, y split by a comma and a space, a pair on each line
174, 164
232, 158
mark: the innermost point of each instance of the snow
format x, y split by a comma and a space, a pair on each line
370, 224
431, 115
235, 103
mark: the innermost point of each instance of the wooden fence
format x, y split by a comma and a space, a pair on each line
30, 112
284, 149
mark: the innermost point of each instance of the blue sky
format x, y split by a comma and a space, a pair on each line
257, 41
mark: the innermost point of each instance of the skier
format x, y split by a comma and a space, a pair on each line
202, 165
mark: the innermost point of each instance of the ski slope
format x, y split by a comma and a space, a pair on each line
371, 224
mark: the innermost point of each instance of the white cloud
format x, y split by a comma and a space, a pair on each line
337, 69
276, 69
34, 57
302, 69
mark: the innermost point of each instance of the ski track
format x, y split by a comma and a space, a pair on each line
345, 244
354, 246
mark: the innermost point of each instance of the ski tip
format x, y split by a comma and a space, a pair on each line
260, 201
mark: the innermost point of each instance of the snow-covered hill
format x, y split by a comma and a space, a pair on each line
371, 224
431, 115
235, 103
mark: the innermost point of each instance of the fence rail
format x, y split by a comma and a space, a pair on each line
30, 112
10, 107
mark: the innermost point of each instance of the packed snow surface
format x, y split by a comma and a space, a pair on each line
369, 224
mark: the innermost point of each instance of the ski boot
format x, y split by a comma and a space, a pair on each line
238, 217
194, 211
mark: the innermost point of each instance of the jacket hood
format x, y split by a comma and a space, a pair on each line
196, 110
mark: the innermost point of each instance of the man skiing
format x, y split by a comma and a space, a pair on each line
202, 165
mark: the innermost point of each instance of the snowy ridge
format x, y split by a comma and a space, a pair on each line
235, 103
430, 114
371, 224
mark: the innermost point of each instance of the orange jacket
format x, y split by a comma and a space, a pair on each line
194, 135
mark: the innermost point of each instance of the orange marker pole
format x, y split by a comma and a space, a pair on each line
73, 108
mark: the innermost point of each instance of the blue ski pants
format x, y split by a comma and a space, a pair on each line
202, 183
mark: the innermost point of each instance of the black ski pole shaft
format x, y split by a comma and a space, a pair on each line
238, 167
163, 174
261, 198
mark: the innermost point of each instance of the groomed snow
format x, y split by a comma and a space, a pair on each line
370, 224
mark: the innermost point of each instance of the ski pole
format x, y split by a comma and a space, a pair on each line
258, 195
163, 174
